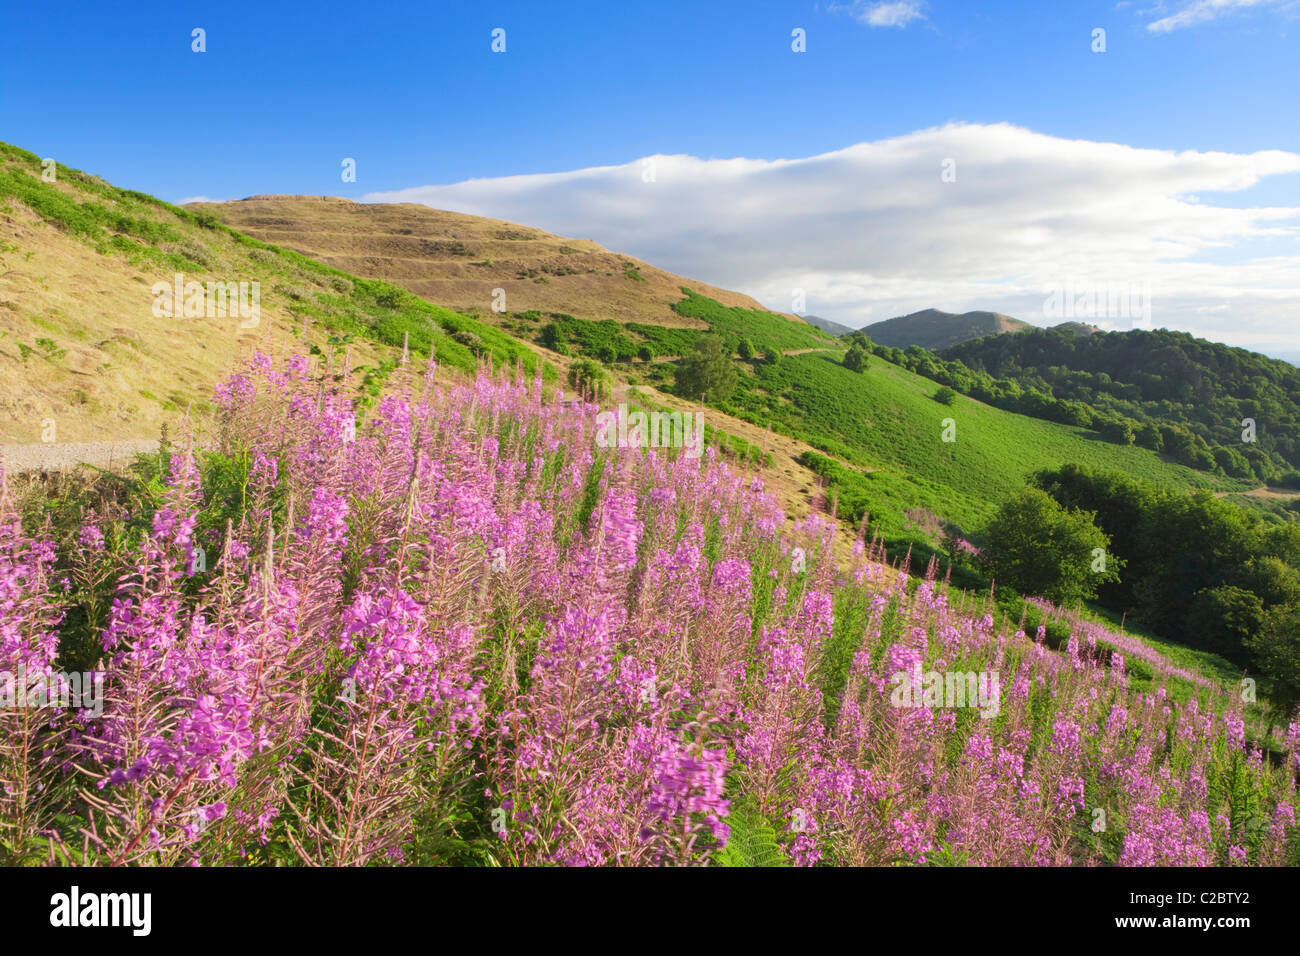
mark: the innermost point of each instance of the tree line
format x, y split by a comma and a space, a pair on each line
1190, 567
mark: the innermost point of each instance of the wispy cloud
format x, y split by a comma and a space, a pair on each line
1203, 11
898, 13
190, 199
873, 230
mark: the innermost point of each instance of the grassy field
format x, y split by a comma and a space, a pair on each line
613, 342
887, 430
763, 329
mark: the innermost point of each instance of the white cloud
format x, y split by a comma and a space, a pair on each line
190, 199
872, 231
1203, 11
898, 13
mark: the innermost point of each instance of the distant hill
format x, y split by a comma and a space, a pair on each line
1180, 395
1078, 328
828, 325
934, 330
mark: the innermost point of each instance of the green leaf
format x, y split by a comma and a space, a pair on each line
752, 843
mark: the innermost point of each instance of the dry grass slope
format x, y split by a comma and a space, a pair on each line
457, 260
79, 343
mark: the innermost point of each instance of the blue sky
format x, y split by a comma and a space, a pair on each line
414, 93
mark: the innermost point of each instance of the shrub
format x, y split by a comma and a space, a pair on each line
856, 358
589, 380
1148, 436
1038, 547
707, 373
1233, 463
550, 336
1275, 650
470, 341
1117, 430
389, 297
1223, 618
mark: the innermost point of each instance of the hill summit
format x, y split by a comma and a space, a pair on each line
459, 261
935, 330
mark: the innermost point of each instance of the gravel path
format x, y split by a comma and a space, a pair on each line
59, 455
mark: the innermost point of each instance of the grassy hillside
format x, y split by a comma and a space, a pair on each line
883, 425
80, 343
458, 260
613, 342
1187, 396
885, 428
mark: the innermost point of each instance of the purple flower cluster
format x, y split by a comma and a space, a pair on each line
463, 629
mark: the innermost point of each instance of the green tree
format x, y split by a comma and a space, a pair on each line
1271, 578
551, 336
945, 396
707, 373
1187, 543
589, 380
746, 349
470, 341
1038, 547
644, 353
1223, 618
1118, 430
1119, 503
855, 359
772, 356
1233, 463
1148, 436
1275, 650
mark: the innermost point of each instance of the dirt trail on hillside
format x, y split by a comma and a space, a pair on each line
661, 359
57, 456
1260, 493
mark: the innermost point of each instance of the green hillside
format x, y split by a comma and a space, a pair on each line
614, 342
1164, 389
883, 424
886, 425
